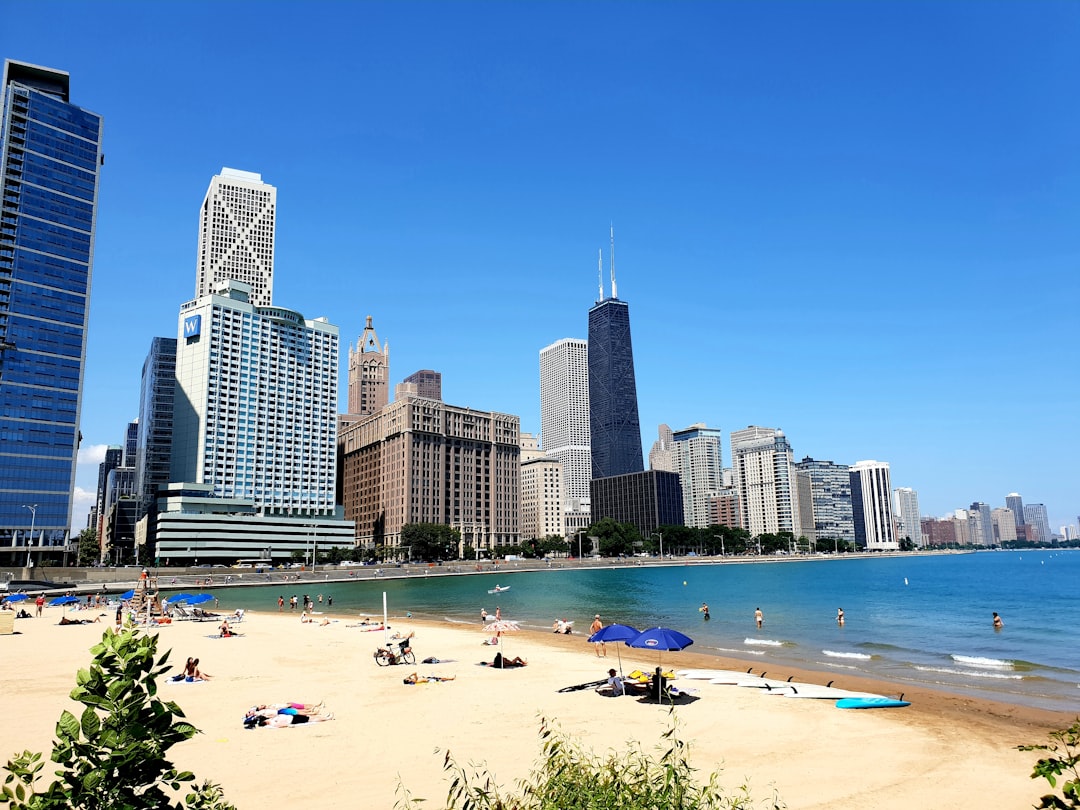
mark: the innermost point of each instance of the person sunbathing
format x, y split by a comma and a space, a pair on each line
266, 711
507, 663
285, 720
414, 678
66, 620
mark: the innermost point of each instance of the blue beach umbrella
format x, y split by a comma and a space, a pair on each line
63, 600
615, 632
180, 597
17, 597
660, 639
128, 594
199, 598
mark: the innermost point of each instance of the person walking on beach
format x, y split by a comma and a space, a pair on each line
998, 623
759, 617
280, 604
840, 616
596, 627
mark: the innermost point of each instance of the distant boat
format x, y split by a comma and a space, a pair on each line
499, 589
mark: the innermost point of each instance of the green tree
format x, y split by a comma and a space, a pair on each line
614, 538
430, 541
1065, 761
113, 755
89, 552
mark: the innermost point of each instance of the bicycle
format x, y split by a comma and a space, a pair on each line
386, 656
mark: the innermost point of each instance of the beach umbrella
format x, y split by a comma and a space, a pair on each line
499, 627
199, 598
17, 597
180, 597
63, 600
128, 594
660, 639
615, 632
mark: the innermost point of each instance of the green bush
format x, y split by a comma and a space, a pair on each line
113, 755
567, 777
1065, 748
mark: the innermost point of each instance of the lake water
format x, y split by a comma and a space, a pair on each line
921, 620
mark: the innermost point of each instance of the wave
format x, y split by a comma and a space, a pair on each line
860, 656
971, 673
834, 665
982, 663
763, 642
875, 645
739, 651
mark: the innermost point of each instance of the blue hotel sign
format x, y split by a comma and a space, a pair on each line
192, 326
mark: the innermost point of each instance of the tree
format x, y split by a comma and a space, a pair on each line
113, 755
430, 541
89, 551
1065, 747
614, 538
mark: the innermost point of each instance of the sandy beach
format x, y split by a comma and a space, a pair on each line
943, 750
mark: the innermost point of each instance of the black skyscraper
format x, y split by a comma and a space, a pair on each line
614, 430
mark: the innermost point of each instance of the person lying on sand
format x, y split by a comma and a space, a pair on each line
414, 678
267, 711
506, 663
66, 620
285, 720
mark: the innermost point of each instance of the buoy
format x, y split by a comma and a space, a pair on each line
684, 582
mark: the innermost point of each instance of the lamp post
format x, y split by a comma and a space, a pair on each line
720, 537
661, 536
33, 519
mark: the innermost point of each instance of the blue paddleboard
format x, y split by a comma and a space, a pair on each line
870, 703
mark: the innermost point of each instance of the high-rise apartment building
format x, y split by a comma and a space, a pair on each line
541, 492
369, 373
614, 428
660, 454
983, 529
423, 461
698, 460
1004, 525
236, 235
50, 158
830, 490
764, 471
153, 449
564, 417
871, 505
906, 510
1035, 515
1014, 502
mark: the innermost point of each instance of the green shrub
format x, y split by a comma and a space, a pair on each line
113, 755
567, 777
1065, 747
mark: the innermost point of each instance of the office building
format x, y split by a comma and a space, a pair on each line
614, 429
369, 373
153, 448
236, 235
564, 418
114, 458
1035, 515
906, 512
541, 493
648, 500
830, 491
982, 530
1004, 525
428, 383
764, 472
422, 461
871, 506
724, 508
50, 159
696, 453
255, 422
1014, 502
660, 454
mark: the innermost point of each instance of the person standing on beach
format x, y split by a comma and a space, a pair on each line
840, 616
596, 627
280, 604
998, 623
40, 603
759, 617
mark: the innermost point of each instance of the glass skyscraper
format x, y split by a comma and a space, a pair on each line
614, 430
50, 157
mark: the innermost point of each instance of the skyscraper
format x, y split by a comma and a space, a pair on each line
1004, 524
906, 505
369, 373
154, 444
236, 235
696, 452
872, 506
1035, 515
428, 383
983, 525
614, 429
764, 471
50, 158
830, 490
564, 417
1014, 502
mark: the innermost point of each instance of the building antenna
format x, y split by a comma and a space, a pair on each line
614, 289
600, 272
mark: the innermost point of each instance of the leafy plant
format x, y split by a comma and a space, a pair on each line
567, 777
1065, 748
113, 755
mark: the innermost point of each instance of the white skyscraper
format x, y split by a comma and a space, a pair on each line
696, 453
564, 416
236, 235
871, 506
255, 408
906, 505
765, 478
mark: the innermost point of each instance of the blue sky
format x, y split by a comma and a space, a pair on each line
853, 221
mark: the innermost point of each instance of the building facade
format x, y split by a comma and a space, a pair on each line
50, 159
541, 493
614, 427
871, 504
1014, 502
1004, 525
830, 490
698, 459
982, 533
422, 461
764, 472
906, 510
564, 416
236, 235
1035, 515
648, 500
369, 373
661, 456
428, 383
153, 449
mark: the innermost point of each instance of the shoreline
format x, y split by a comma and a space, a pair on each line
943, 749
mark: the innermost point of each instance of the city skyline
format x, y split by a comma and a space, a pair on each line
810, 221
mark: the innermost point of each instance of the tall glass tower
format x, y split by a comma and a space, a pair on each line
614, 429
50, 158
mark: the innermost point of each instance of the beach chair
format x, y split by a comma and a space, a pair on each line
180, 613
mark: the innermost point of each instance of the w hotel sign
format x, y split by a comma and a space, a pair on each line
192, 327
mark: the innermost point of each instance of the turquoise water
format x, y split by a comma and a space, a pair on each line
922, 620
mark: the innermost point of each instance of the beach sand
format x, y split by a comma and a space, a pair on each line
943, 750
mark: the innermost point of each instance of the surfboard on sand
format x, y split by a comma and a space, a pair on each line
815, 691
871, 703
710, 674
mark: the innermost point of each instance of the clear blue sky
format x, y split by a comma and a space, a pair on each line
857, 222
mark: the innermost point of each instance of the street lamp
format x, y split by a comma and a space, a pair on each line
33, 519
661, 536
720, 537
